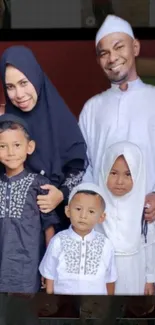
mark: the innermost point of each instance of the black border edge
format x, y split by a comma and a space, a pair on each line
65, 34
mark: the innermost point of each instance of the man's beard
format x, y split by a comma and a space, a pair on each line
116, 77
118, 80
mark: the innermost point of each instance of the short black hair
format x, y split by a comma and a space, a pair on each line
93, 193
9, 125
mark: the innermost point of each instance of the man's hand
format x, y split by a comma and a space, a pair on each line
51, 200
149, 289
150, 207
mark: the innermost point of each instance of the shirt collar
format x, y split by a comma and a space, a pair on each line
74, 235
132, 85
23, 174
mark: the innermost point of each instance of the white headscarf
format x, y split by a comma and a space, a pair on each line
113, 24
124, 213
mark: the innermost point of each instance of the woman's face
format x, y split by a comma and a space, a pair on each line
20, 90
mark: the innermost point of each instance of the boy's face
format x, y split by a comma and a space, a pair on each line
119, 180
14, 147
85, 211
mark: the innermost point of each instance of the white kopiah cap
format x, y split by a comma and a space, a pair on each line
86, 187
113, 24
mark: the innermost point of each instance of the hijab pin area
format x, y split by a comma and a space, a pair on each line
42, 172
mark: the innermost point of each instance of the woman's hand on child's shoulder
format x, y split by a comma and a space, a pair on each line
51, 200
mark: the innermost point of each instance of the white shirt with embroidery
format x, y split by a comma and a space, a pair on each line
79, 266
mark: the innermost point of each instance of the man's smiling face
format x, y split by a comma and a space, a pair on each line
116, 54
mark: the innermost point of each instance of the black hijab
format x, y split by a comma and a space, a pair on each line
54, 128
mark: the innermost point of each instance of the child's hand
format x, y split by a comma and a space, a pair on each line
149, 289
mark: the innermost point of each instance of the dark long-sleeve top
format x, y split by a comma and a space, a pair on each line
22, 227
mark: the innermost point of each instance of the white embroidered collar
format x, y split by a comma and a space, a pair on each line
74, 235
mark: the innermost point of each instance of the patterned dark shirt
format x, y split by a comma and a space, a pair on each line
22, 228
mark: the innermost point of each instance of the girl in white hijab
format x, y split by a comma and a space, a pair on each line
123, 179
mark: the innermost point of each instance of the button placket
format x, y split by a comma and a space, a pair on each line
121, 117
83, 256
7, 204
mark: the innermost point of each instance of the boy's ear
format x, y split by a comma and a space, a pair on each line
102, 217
31, 147
67, 211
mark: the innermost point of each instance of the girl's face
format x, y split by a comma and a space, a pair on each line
20, 90
119, 180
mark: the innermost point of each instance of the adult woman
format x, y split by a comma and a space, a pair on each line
60, 149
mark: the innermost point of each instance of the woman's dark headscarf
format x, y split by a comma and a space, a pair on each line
53, 126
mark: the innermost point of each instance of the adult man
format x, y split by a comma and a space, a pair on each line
126, 111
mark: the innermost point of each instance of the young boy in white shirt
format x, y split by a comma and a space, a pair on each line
80, 260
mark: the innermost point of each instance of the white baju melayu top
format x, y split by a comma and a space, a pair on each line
116, 115
123, 223
79, 266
